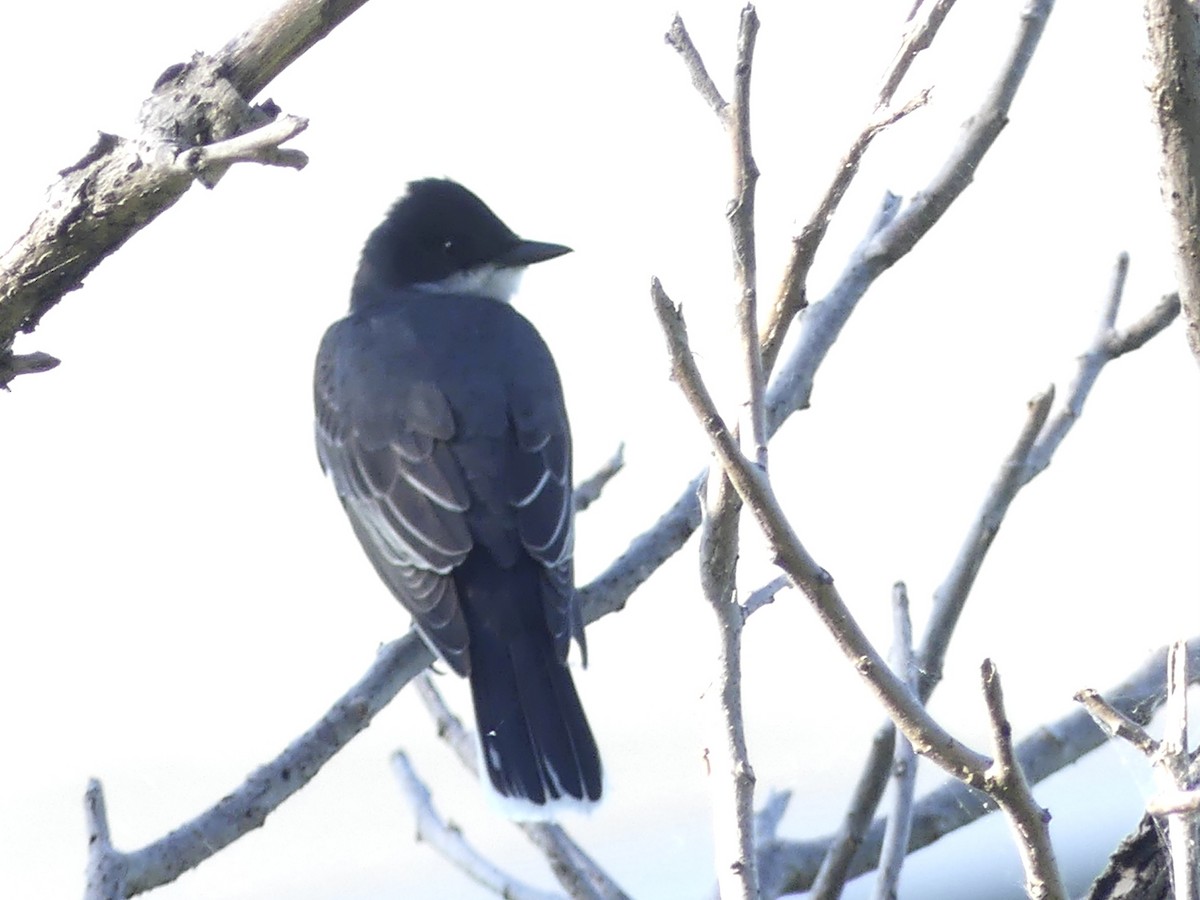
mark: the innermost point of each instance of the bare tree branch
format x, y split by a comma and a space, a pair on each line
918, 37
1034, 449
1049, 749
1029, 821
791, 388
732, 777
15, 364
256, 56
904, 761
764, 595
452, 844
589, 490
1174, 42
106, 869
792, 294
1115, 723
895, 237
197, 121
928, 737
948, 602
1108, 344
741, 233
248, 806
678, 38
1175, 764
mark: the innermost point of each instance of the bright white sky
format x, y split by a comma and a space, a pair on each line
182, 596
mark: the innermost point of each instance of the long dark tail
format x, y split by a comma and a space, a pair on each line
537, 746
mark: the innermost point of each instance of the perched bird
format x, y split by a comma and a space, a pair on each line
440, 419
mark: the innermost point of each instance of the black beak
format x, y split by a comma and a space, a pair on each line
526, 253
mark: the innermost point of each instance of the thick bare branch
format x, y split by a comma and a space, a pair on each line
256, 56
197, 121
106, 869
1174, 42
248, 806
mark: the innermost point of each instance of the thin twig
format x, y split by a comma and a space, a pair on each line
209, 162
753, 430
678, 38
842, 849
1115, 723
589, 490
904, 761
1007, 784
15, 364
918, 37
1107, 344
450, 842
951, 596
1174, 765
792, 294
764, 595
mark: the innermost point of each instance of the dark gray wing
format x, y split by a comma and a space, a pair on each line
542, 496
383, 437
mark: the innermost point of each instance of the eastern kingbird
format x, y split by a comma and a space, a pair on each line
440, 419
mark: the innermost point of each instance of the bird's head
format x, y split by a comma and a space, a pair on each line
439, 237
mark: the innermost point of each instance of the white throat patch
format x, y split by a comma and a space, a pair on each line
488, 280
